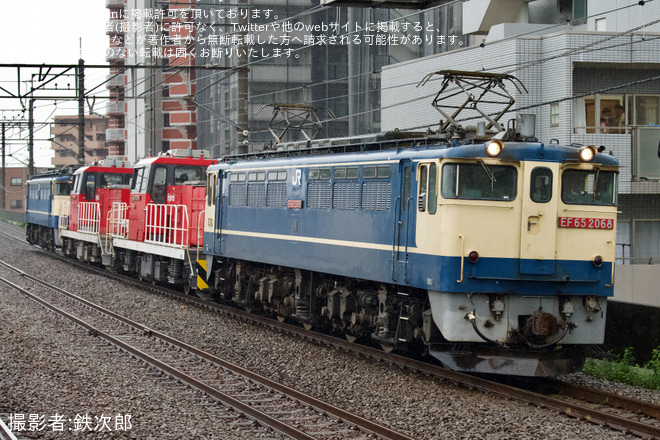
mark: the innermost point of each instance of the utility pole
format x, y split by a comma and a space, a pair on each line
30, 138
3, 178
81, 112
243, 104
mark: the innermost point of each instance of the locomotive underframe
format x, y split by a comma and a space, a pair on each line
151, 267
42, 236
511, 336
361, 310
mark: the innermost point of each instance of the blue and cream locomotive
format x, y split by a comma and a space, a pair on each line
46, 195
489, 254
493, 254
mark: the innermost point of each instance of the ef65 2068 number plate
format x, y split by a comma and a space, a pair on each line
586, 223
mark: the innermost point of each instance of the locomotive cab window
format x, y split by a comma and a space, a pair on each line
110, 180
140, 180
76, 183
589, 187
479, 181
187, 174
159, 188
90, 187
62, 188
211, 181
540, 189
427, 199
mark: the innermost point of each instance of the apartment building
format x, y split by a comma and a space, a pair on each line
64, 139
152, 77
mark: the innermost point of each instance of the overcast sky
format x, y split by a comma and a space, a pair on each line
51, 32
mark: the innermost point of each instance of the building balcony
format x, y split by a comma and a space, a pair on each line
115, 80
115, 108
114, 135
115, 54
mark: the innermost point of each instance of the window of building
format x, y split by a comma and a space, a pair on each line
570, 10
646, 110
554, 114
16, 181
646, 241
602, 114
17, 204
613, 113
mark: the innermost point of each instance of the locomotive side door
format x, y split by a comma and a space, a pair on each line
538, 235
403, 222
214, 211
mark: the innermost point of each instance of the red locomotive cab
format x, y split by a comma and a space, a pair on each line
167, 200
95, 190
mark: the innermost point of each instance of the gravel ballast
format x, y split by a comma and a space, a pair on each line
49, 367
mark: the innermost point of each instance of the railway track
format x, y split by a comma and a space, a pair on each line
635, 417
273, 405
626, 415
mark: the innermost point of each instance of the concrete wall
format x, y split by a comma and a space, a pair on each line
637, 284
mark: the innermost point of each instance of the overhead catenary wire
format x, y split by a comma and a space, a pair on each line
329, 81
522, 65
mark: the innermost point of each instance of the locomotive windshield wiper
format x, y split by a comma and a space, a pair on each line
596, 182
488, 171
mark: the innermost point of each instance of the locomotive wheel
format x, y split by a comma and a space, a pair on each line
307, 326
350, 338
281, 318
186, 288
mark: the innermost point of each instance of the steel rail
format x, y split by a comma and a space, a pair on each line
489, 387
183, 377
604, 398
323, 407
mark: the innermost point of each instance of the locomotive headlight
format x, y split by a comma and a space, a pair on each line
494, 148
587, 153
